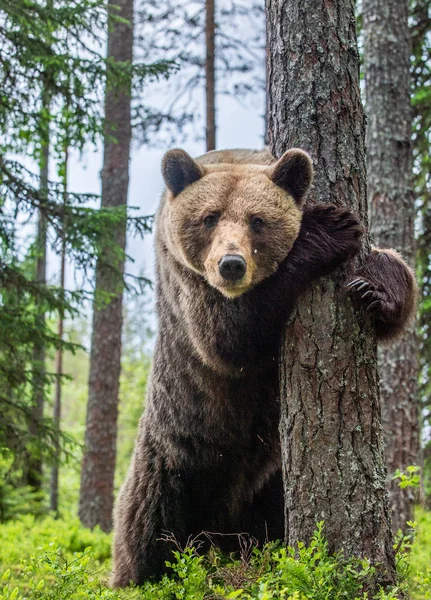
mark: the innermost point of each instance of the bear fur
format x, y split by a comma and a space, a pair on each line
234, 249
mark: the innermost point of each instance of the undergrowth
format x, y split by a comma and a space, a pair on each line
58, 560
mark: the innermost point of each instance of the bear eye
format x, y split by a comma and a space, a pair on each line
256, 223
211, 221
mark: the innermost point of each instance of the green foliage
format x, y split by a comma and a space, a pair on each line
54, 49
420, 561
411, 477
420, 12
53, 77
59, 559
308, 572
15, 498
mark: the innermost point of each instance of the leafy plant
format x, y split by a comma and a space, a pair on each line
410, 478
58, 559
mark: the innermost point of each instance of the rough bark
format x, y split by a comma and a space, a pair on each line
210, 75
391, 201
97, 477
331, 437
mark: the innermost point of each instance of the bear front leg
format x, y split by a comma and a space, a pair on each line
328, 237
386, 287
151, 504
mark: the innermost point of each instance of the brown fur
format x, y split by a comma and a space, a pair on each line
387, 288
207, 455
235, 193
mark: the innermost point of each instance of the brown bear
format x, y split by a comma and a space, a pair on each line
234, 249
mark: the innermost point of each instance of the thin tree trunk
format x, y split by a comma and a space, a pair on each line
390, 195
210, 76
34, 467
330, 427
97, 477
266, 139
59, 364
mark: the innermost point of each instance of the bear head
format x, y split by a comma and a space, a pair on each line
234, 223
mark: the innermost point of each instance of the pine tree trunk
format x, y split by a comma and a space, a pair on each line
333, 465
391, 201
98, 468
210, 75
54, 492
34, 466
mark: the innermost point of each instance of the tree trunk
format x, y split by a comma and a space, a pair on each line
97, 477
59, 363
210, 76
391, 200
34, 466
333, 465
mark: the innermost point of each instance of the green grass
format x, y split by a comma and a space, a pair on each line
59, 559
420, 562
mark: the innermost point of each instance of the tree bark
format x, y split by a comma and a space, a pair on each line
98, 468
210, 75
34, 466
331, 438
387, 50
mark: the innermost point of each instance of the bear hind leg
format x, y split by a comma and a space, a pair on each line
386, 287
263, 518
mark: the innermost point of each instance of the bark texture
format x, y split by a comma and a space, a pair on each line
391, 201
97, 477
210, 75
331, 436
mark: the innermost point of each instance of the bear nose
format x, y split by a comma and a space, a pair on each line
232, 267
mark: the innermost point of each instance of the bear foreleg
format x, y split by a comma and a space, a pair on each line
328, 237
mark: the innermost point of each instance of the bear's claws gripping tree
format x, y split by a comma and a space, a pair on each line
234, 249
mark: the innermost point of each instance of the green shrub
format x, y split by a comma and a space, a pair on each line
49, 559
20, 539
15, 498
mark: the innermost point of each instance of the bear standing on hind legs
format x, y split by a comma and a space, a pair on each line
234, 249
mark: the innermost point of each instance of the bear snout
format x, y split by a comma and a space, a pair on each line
232, 267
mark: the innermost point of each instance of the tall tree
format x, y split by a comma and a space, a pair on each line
98, 467
54, 489
387, 50
34, 470
219, 47
333, 464
38, 39
210, 79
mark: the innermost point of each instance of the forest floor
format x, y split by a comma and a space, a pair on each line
59, 559
47, 559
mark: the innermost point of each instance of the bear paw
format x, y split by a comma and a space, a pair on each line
340, 228
376, 302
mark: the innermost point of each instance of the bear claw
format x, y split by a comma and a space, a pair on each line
372, 300
357, 282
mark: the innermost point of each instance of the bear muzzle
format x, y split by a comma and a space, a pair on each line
232, 267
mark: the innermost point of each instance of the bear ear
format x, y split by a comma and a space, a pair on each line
294, 173
180, 170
